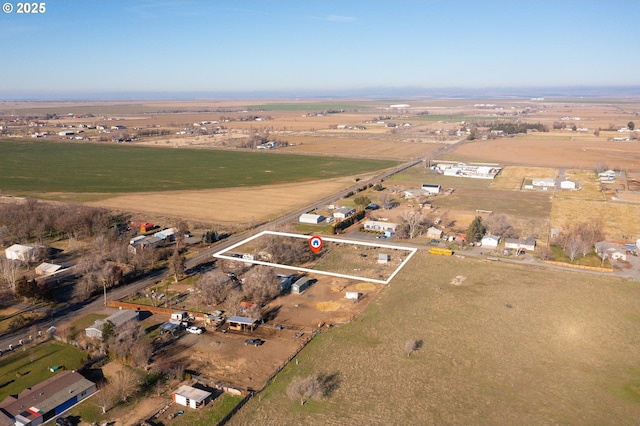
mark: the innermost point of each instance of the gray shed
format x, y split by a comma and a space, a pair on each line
301, 285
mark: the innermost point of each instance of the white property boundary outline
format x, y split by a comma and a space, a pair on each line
411, 250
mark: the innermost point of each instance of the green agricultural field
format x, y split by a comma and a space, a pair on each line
499, 344
40, 167
22, 369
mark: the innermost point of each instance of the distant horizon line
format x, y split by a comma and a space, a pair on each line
377, 93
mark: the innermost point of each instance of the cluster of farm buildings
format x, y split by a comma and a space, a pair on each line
473, 171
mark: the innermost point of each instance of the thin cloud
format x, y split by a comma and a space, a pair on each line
339, 18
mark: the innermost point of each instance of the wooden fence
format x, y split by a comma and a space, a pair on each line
587, 268
152, 309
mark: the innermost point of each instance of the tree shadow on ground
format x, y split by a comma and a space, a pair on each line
329, 383
271, 313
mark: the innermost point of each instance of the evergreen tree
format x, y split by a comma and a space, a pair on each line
108, 330
476, 230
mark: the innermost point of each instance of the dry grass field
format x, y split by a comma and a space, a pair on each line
228, 206
588, 182
620, 219
550, 347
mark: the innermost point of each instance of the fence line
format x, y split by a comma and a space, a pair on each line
569, 265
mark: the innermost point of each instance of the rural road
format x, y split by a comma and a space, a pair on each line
74, 311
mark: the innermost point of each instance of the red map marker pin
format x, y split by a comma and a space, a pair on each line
315, 243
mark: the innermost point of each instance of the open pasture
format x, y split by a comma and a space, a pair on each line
534, 150
40, 167
550, 347
620, 219
529, 204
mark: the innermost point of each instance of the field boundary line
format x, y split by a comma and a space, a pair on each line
411, 250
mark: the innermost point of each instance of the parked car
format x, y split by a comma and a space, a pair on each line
254, 342
194, 330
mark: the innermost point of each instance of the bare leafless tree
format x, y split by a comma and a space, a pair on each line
304, 388
603, 255
212, 288
125, 383
126, 338
176, 265
498, 224
105, 397
233, 300
141, 352
573, 245
10, 270
410, 346
289, 251
261, 285
181, 231
414, 222
384, 198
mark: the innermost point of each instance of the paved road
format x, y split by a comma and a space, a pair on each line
73, 311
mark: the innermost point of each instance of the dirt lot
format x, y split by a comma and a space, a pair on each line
225, 358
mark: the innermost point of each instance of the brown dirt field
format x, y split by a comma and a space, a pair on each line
536, 151
323, 302
238, 206
224, 357
342, 144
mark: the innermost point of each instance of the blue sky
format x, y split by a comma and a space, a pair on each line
102, 46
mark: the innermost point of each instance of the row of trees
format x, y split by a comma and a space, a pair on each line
259, 285
580, 238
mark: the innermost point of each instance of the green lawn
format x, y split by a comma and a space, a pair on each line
22, 369
591, 259
83, 322
37, 167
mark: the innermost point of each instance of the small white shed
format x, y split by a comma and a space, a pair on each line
190, 396
310, 218
47, 268
383, 258
567, 184
352, 295
490, 241
20, 252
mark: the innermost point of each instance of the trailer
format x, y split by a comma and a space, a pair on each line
441, 251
